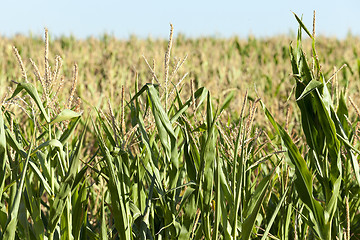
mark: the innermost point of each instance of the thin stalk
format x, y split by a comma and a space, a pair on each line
239, 185
9, 232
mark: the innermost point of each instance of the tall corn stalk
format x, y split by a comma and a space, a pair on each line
322, 175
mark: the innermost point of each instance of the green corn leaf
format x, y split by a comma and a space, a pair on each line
218, 198
66, 185
159, 112
103, 226
41, 157
354, 162
208, 153
331, 206
189, 161
325, 94
69, 131
149, 161
342, 113
186, 198
23, 231
109, 133
303, 181
311, 86
340, 118
79, 212
3, 155
34, 209
142, 222
227, 101
119, 211
199, 95
275, 214
329, 130
31, 90
288, 219
303, 26
3, 216
143, 89
254, 207
166, 134
225, 187
14, 144
209, 114
44, 182
64, 115
57, 147
294, 63
306, 75
11, 225
75, 156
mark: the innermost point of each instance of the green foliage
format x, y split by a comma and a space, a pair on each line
179, 163
319, 180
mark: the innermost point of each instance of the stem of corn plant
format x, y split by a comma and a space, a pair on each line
52, 170
10, 229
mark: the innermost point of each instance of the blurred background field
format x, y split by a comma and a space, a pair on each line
221, 65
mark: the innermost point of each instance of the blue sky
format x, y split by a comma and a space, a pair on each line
193, 18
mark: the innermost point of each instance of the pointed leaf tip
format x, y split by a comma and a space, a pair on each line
66, 114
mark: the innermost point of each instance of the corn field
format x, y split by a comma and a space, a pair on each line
235, 139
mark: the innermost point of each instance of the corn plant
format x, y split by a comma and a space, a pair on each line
167, 176
171, 186
326, 177
41, 194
